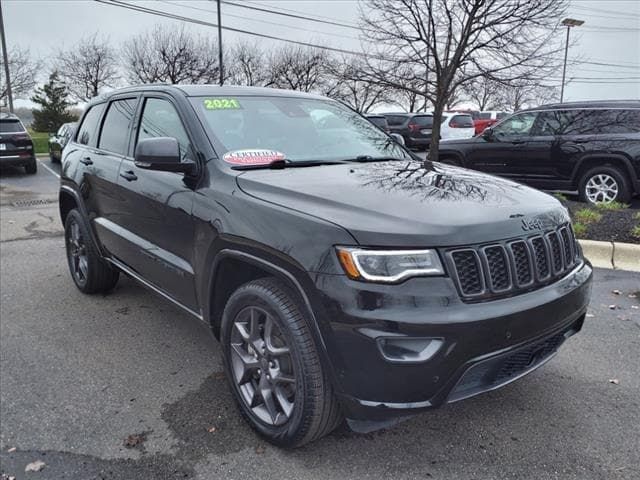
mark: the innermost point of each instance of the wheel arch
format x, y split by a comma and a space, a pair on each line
600, 160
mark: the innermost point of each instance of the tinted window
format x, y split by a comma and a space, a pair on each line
461, 121
160, 119
423, 120
600, 122
395, 120
519, 124
484, 116
11, 126
114, 136
88, 129
379, 122
501, 115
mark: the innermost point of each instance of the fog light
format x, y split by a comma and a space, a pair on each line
408, 349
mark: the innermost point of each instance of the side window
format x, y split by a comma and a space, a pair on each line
114, 136
160, 119
618, 121
87, 132
516, 125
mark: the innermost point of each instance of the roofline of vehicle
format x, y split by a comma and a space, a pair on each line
183, 90
632, 103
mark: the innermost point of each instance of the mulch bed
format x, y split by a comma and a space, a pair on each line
615, 226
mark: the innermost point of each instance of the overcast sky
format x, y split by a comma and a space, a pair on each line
610, 35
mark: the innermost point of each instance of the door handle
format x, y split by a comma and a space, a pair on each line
129, 176
86, 161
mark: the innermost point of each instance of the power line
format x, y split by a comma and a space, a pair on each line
299, 12
611, 65
260, 20
612, 12
292, 15
160, 13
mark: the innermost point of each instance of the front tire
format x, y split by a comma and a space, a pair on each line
90, 272
273, 366
604, 184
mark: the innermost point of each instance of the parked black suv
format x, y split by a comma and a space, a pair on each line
589, 147
343, 277
16, 146
415, 128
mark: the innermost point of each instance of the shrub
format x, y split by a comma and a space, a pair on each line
587, 216
612, 206
579, 229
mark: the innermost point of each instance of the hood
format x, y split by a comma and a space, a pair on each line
408, 203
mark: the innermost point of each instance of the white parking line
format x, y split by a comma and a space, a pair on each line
49, 169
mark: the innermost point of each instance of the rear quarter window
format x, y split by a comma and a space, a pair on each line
114, 136
88, 130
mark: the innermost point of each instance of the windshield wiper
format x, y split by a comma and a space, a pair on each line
280, 164
369, 158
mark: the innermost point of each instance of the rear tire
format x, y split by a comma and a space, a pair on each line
604, 185
90, 272
265, 330
31, 168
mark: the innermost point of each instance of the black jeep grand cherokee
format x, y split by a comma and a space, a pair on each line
343, 277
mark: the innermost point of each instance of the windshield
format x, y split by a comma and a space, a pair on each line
297, 129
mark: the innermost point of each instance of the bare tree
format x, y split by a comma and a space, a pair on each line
518, 96
169, 55
88, 67
23, 70
485, 93
344, 81
246, 65
298, 68
459, 41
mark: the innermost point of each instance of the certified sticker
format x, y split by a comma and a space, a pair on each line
252, 156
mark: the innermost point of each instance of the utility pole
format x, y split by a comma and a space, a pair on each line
220, 45
5, 56
567, 22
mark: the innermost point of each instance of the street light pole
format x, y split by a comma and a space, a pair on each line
221, 65
567, 22
5, 57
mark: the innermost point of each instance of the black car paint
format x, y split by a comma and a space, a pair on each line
18, 146
58, 140
413, 138
178, 234
550, 162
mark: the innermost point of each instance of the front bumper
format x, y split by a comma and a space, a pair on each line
485, 345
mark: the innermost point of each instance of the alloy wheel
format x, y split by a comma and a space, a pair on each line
601, 188
262, 366
77, 253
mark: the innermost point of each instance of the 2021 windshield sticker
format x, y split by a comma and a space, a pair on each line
252, 156
221, 104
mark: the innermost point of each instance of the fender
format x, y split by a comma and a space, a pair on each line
291, 279
83, 210
633, 176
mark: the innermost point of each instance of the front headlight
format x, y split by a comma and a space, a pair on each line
388, 265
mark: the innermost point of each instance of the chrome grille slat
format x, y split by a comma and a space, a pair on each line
513, 266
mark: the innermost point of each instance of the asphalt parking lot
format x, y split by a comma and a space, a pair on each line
126, 386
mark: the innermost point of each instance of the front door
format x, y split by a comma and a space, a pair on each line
505, 152
158, 205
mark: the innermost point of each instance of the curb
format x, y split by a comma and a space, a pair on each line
615, 255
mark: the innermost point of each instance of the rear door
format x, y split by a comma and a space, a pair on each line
102, 157
157, 217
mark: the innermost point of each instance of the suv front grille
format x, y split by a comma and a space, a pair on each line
513, 266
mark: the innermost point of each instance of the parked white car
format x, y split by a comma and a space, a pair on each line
456, 125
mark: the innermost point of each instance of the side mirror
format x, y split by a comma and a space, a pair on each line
161, 153
398, 138
487, 134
